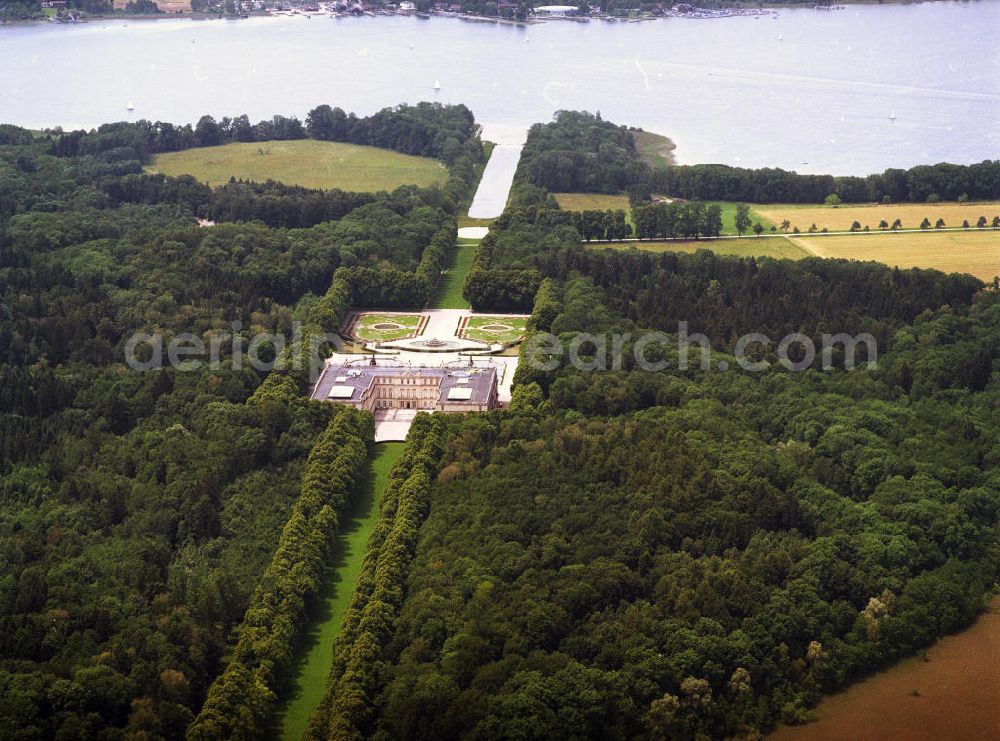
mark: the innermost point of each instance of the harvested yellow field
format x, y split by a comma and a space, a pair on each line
777, 247
975, 252
591, 202
840, 218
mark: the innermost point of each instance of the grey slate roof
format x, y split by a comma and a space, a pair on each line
479, 380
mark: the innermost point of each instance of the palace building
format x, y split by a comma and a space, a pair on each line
379, 387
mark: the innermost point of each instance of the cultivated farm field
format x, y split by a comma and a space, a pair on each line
951, 694
840, 218
974, 252
305, 162
777, 247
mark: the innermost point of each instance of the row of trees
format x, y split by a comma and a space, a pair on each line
922, 183
368, 624
240, 699
611, 594
435, 258
671, 573
610, 224
678, 220
138, 510
939, 224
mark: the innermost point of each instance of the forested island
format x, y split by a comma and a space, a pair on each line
619, 553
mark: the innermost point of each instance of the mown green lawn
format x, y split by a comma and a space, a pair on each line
305, 162
449, 293
311, 673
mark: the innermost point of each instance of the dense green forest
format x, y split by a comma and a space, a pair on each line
706, 566
579, 151
619, 554
633, 554
725, 295
697, 553
139, 511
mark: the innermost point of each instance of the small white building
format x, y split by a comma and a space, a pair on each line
407, 7
556, 11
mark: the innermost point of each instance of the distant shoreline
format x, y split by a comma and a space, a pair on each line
697, 13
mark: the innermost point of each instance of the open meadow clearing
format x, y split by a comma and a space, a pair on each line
777, 247
840, 218
305, 162
592, 202
973, 252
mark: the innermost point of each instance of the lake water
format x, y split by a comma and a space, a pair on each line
494, 186
809, 90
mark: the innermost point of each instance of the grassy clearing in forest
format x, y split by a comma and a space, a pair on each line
592, 202
305, 162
